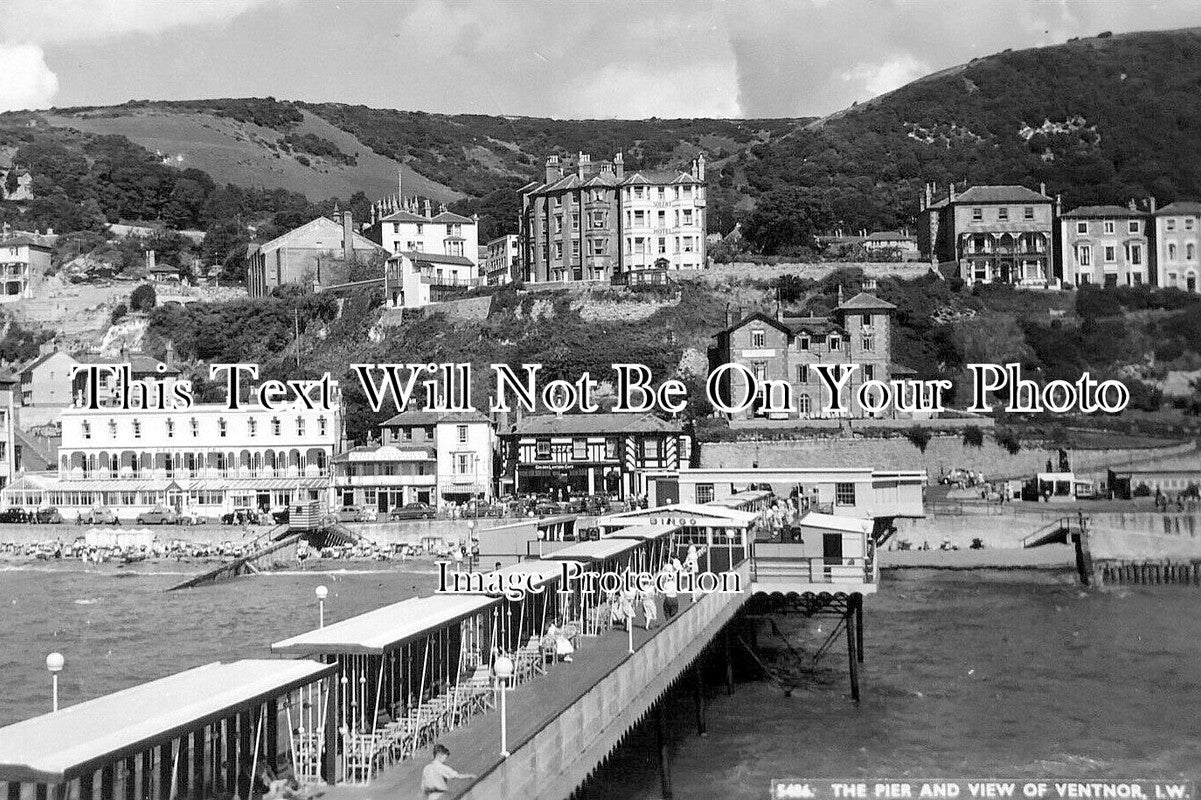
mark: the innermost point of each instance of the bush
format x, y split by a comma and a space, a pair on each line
919, 437
143, 298
118, 314
1009, 440
973, 436
1142, 490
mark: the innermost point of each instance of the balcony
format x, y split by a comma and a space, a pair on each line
448, 282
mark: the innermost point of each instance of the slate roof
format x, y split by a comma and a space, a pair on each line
1102, 212
421, 417
994, 194
592, 424
435, 258
1180, 207
866, 302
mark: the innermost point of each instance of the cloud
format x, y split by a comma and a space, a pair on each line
63, 21
28, 83
876, 79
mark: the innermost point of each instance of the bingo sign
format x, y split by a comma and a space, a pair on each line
679, 521
798, 789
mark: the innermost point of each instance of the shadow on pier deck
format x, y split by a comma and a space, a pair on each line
564, 724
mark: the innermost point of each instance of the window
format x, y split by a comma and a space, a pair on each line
1111, 254
87, 430
1171, 223
1081, 227
558, 249
759, 370
1028, 212
805, 405
1172, 251
1133, 227
688, 216
650, 449
640, 217
1108, 226
1190, 251
170, 429
1134, 254
758, 338
1002, 213
300, 426
844, 494
598, 219
704, 493
610, 449
275, 426
252, 427
1188, 223
575, 247
598, 247
687, 244
977, 214
802, 343
1084, 256
112, 428
575, 221
835, 343
542, 448
579, 449
463, 463
869, 342
869, 372
222, 427
662, 245
558, 222
461, 431
802, 373
137, 429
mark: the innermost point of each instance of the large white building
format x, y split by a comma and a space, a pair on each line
422, 457
206, 459
503, 261
24, 261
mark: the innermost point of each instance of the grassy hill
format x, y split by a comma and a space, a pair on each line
1098, 120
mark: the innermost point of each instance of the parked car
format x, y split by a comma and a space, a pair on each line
48, 516
548, 508
280, 515
100, 515
240, 516
480, 508
192, 518
158, 516
355, 514
412, 511
14, 515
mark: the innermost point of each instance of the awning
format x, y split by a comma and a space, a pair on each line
834, 522
385, 628
643, 532
596, 550
112, 485
257, 484
79, 739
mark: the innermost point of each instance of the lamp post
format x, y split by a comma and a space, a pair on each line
470, 544
630, 629
502, 668
55, 663
322, 592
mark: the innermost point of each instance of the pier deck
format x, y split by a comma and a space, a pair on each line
532, 708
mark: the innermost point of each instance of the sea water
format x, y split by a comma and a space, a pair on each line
967, 673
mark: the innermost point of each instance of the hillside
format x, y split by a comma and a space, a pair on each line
1098, 120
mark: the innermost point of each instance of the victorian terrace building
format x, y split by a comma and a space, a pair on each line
1177, 245
1104, 245
598, 221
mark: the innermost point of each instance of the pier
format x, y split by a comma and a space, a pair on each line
392, 682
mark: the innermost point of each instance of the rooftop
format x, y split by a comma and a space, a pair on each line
422, 417
419, 257
1180, 207
994, 194
592, 424
1103, 212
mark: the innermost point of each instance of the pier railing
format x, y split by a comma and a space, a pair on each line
779, 563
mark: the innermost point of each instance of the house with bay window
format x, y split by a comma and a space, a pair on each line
1105, 245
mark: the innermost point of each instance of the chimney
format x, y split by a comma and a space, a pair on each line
169, 357
1151, 199
149, 260
124, 354
700, 168
951, 193
1058, 205
399, 185
1133, 206
840, 299
347, 236
1042, 189
619, 165
779, 308
428, 208
729, 316
553, 173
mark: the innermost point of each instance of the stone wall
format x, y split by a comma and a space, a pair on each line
743, 269
943, 454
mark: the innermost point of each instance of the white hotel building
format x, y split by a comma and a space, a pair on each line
206, 459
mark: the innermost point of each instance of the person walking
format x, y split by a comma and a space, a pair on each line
436, 774
692, 565
669, 583
649, 610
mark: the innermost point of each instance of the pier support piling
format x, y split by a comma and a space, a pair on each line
661, 748
852, 657
858, 602
729, 665
698, 697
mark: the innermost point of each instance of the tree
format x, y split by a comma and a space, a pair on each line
1009, 440
10, 182
786, 219
919, 437
973, 436
143, 298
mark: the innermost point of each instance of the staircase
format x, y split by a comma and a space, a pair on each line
1057, 531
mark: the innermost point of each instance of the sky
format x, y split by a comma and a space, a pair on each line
557, 58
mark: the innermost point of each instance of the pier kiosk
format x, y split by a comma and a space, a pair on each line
198, 733
527, 538
724, 532
585, 606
